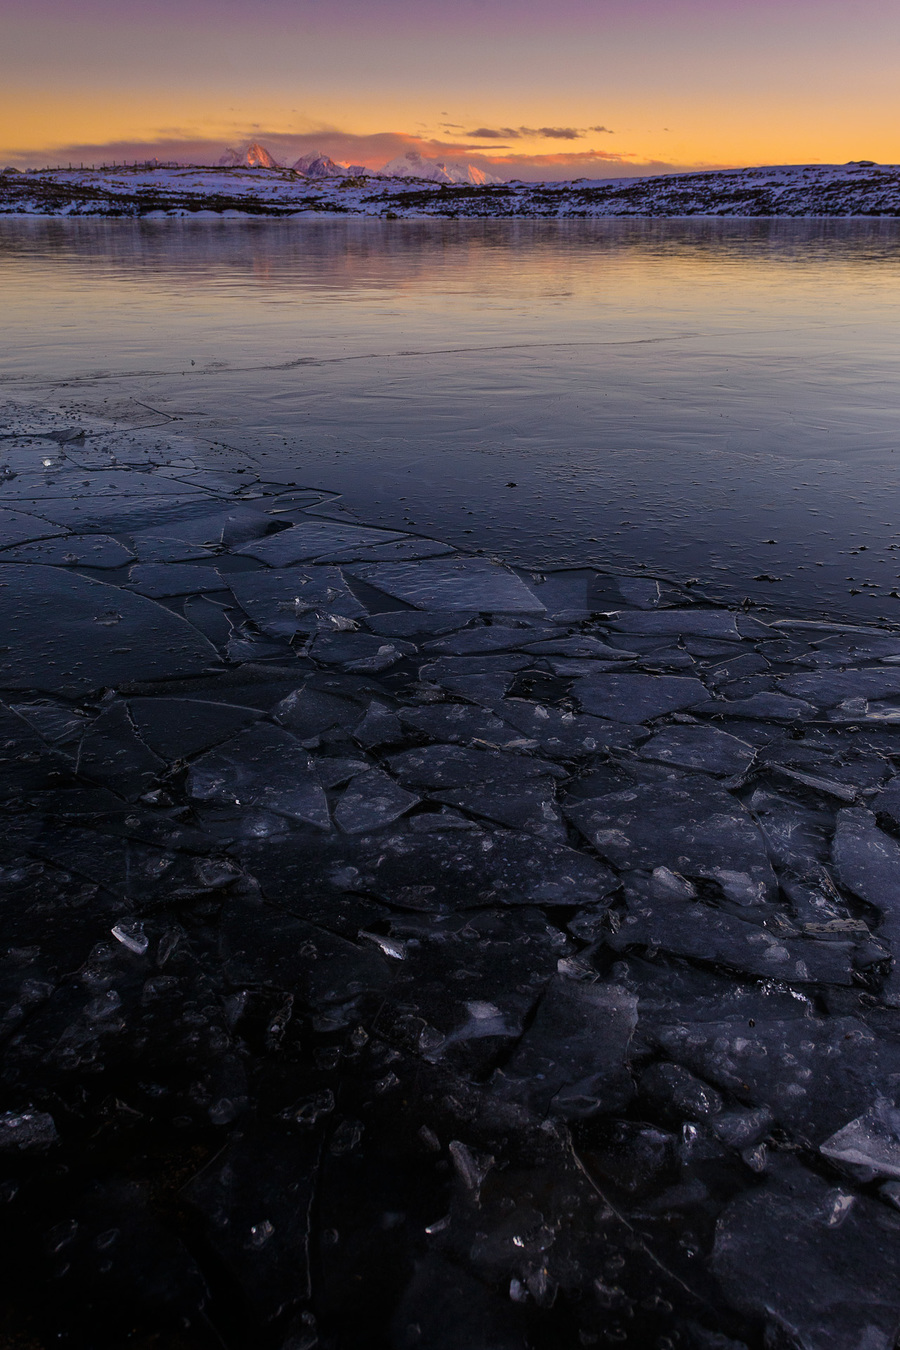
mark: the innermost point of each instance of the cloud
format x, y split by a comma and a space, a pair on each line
494, 134
555, 133
371, 151
608, 130
516, 133
582, 164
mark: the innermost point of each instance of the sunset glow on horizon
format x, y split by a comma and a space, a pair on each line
525, 90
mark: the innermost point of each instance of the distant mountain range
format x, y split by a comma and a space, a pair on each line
318, 165
414, 165
417, 188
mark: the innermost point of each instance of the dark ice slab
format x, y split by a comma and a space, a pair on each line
177, 728
764, 707
69, 483
289, 601
442, 668
112, 753
264, 767
828, 688
370, 801
461, 723
484, 638
582, 646
527, 806
866, 861
845, 649
410, 623
82, 550
56, 721
697, 747
662, 917
708, 623
379, 727
572, 1061
200, 527
869, 1146
466, 985
563, 733
308, 711
463, 584
450, 766
360, 651
19, 527
642, 592
257, 1221
509, 789
684, 823
487, 689
814, 1262
27, 762
163, 579
262, 945
115, 514
887, 803
637, 698
797, 836
313, 538
439, 871
813, 1073
167, 548
67, 633
400, 550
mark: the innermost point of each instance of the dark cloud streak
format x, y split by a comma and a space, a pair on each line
544, 133
495, 134
555, 133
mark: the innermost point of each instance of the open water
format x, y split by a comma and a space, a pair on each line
708, 398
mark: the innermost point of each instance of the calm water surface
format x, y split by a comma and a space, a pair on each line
711, 399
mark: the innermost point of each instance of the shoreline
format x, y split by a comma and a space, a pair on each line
399, 939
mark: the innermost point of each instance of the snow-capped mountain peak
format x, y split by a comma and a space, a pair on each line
256, 156
318, 165
414, 165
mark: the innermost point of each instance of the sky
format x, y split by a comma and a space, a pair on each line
533, 89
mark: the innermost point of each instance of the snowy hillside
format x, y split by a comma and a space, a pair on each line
856, 189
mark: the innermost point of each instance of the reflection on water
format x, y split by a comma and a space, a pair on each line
673, 393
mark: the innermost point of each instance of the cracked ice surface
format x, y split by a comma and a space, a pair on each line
393, 957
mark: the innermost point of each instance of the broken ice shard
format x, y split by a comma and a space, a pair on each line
700, 747
286, 602
710, 623
370, 801
685, 823
265, 767
67, 633
870, 1145
311, 539
464, 583
637, 698
572, 1060
807, 1258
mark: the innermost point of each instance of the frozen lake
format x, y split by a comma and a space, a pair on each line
708, 398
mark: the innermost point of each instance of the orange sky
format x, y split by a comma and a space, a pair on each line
582, 87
